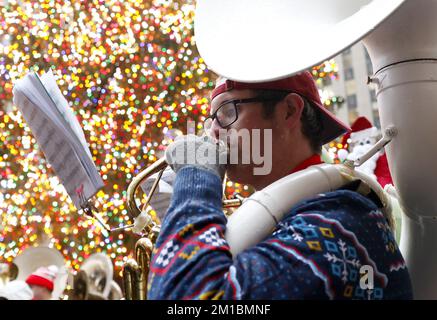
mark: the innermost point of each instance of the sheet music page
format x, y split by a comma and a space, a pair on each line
62, 147
31, 87
49, 82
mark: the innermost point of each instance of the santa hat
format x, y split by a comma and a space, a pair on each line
44, 277
382, 171
361, 128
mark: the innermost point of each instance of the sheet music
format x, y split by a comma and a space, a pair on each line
59, 135
49, 82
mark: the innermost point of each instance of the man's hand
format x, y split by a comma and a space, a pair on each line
202, 152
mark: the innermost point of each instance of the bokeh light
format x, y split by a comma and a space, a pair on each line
131, 73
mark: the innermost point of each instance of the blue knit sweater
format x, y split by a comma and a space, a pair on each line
316, 252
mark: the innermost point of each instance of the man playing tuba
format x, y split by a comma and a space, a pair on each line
337, 245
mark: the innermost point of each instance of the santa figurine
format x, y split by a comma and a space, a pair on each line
360, 140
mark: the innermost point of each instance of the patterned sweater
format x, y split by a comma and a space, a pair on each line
316, 252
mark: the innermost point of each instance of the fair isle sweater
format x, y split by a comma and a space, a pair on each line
316, 252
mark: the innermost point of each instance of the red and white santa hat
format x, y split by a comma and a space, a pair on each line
44, 277
361, 128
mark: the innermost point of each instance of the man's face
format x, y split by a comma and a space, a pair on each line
250, 117
40, 293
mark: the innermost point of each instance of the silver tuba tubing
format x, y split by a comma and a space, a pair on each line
403, 51
259, 214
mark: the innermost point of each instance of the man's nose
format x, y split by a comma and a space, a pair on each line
214, 130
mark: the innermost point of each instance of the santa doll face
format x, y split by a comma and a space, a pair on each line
361, 147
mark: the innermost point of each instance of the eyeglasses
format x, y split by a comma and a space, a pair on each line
227, 113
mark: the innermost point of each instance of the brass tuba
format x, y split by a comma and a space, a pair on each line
135, 271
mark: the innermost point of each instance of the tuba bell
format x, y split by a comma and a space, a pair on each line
30, 259
94, 280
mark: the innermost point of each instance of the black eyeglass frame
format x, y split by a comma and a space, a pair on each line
236, 102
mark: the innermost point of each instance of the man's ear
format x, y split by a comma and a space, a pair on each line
294, 109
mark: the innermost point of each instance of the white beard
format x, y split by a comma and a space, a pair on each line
369, 166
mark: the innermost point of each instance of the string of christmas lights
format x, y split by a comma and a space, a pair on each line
131, 73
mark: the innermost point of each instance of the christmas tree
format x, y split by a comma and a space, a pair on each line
131, 73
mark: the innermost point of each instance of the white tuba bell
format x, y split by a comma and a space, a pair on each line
256, 40
33, 258
94, 281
